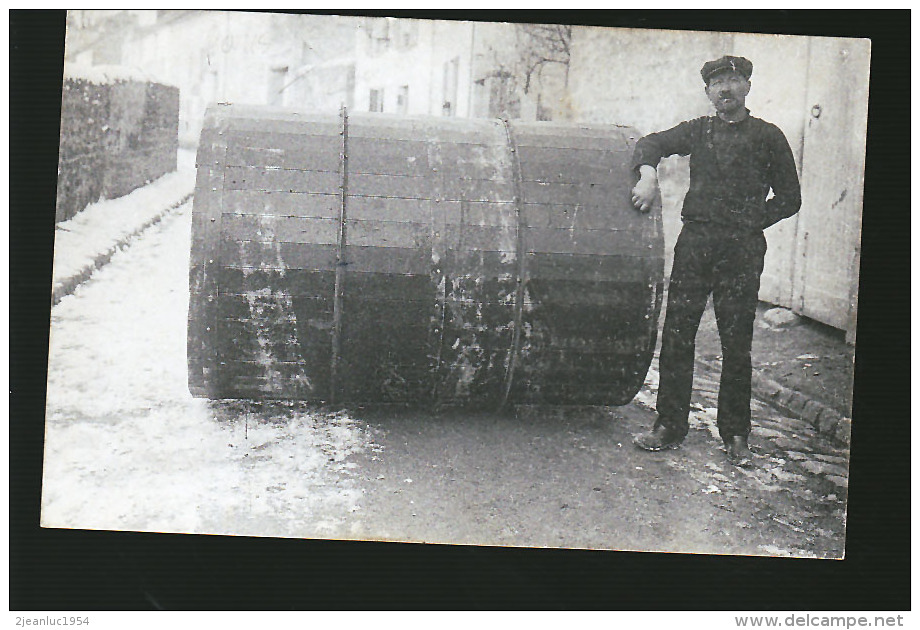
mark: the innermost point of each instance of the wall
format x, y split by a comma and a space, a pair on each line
322, 87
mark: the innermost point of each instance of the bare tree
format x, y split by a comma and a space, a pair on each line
516, 65
540, 45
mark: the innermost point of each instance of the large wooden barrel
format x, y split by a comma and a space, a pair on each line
371, 257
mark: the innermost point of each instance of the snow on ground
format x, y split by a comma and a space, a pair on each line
128, 448
79, 241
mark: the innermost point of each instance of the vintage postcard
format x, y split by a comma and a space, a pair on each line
479, 283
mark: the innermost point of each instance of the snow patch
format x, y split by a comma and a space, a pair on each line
128, 448
93, 232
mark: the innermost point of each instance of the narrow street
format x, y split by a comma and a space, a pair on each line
128, 448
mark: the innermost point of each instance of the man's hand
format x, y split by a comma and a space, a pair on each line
646, 189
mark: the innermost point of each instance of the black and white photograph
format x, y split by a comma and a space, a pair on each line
481, 283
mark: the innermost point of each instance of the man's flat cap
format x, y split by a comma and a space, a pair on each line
735, 64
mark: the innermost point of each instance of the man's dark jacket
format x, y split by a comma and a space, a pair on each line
733, 166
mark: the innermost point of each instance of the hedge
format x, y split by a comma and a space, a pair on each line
115, 137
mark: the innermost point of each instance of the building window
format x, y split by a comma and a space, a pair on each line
376, 101
277, 81
402, 100
451, 78
406, 33
379, 33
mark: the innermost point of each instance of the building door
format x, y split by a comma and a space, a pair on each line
375, 101
826, 266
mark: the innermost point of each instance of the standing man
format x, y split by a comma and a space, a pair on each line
736, 160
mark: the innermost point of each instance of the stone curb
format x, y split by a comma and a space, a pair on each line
67, 286
826, 422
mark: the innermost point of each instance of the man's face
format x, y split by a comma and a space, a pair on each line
727, 91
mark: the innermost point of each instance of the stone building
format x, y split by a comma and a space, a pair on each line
461, 69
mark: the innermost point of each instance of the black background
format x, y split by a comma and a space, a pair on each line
84, 570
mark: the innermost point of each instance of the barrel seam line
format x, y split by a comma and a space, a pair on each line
517, 178
217, 251
339, 263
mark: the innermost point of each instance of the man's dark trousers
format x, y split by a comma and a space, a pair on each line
710, 258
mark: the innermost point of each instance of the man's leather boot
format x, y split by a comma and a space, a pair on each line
738, 452
658, 439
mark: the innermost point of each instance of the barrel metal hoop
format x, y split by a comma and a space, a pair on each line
518, 181
340, 264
